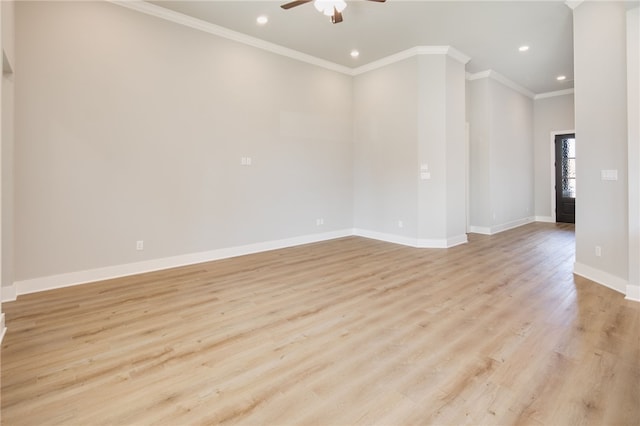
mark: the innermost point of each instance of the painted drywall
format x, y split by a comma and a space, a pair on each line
386, 149
633, 123
478, 117
8, 30
601, 129
132, 128
432, 148
7, 145
550, 114
7, 221
511, 155
409, 121
501, 155
441, 149
6, 151
455, 143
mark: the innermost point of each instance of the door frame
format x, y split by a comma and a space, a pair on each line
552, 169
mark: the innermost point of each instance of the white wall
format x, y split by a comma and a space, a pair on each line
633, 114
455, 143
478, 117
6, 151
601, 129
551, 114
409, 118
511, 155
131, 128
441, 150
137, 134
386, 149
432, 147
501, 156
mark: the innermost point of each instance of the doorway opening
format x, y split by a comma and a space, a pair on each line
565, 177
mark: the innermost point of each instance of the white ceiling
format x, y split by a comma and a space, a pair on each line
489, 32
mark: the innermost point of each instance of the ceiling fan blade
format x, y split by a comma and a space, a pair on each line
378, 1
294, 4
337, 16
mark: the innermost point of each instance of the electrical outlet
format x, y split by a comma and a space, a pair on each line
320, 221
598, 251
139, 245
400, 224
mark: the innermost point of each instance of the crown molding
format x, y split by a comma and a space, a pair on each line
503, 80
572, 4
198, 24
554, 94
410, 53
478, 75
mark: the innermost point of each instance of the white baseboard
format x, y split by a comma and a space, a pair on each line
547, 219
3, 329
495, 229
456, 241
633, 293
8, 293
82, 277
411, 242
603, 278
511, 225
484, 230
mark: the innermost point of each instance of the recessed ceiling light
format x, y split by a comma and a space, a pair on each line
355, 53
561, 77
523, 48
261, 20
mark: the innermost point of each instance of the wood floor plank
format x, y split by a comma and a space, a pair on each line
349, 331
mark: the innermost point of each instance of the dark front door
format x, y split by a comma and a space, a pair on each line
566, 178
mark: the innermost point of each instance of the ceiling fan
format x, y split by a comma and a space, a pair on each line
332, 8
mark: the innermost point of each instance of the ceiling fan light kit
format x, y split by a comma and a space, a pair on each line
328, 7
332, 8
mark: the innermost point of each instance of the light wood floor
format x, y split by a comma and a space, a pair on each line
350, 331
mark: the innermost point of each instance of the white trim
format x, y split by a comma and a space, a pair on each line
467, 175
546, 219
8, 293
478, 75
207, 27
501, 79
70, 279
480, 230
409, 53
510, 225
633, 152
410, 241
603, 278
456, 241
554, 94
82, 277
572, 4
496, 229
389, 238
3, 329
633, 293
198, 24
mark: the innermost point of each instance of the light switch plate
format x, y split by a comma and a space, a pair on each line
609, 174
